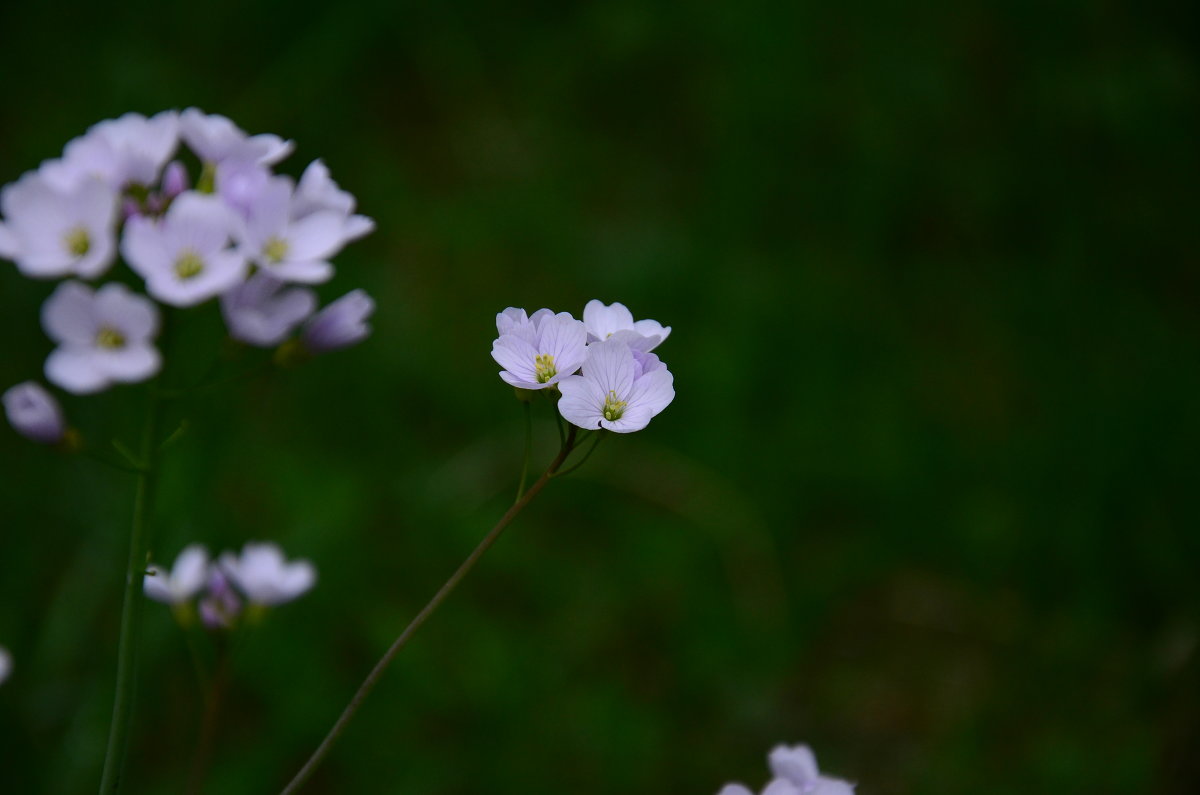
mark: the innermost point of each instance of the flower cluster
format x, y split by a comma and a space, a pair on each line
602, 366
260, 575
232, 229
795, 773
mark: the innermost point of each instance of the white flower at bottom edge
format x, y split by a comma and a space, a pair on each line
265, 577
183, 581
103, 337
6, 664
617, 390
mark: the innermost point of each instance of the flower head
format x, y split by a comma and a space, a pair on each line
617, 390
265, 577
540, 351
186, 256
260, 312
131, 150
34, 413
615, 321
216, 139
53, 231
291, 249
339, 325
103, 337
796, 773
317, 192
183, 581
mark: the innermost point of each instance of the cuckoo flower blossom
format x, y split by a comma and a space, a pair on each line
128, 151
5, 664
796, 773
619, 389
341, 324
291, 249
260, 312
317, 192
220, 606
262, 574
185, 257
216, 139
615, 321
539, 351
183, 581
103, 337
34, 413
52, 232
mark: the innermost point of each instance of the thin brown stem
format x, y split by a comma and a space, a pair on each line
377, 672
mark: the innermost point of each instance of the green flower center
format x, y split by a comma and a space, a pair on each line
109, 337
613, 408
544, 365
275, 250
78, 241
188, 265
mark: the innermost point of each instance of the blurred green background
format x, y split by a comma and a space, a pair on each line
926, 499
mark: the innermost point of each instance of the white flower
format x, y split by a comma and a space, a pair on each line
6, 664
34, 413
317, 191
104, 337
183, 581
241, 184
186, 257
260, 313
131, 150
262, 574
50, 232
619, 389
539, 351
796, 773
292, 250
605, 322
341, 324
216, 139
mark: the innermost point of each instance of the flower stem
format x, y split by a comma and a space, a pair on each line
131, 608
377, 672
597, 436
528, 448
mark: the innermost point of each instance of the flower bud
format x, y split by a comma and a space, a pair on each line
341, 324
34, 413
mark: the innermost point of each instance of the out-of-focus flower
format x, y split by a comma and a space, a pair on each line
618, 390
183, 581
34, 413
260, 312
540, 351
340, 324
265, 577
216, 139
220, 606
616, 322
129, 151
292, 250
6, 664
186, 257
317, 192
50, 232
796, 773
103, 337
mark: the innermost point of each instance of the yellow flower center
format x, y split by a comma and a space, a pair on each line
109, 337
188, 265
544, 365
275, 250
613, 408
78, 241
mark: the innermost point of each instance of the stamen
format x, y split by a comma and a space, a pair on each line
189, 264
275, 250
78, 241
613, 408
544, 364
109, 337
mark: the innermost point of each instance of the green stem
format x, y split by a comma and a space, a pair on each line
597, 435
131, 609
377, 672
528, 448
